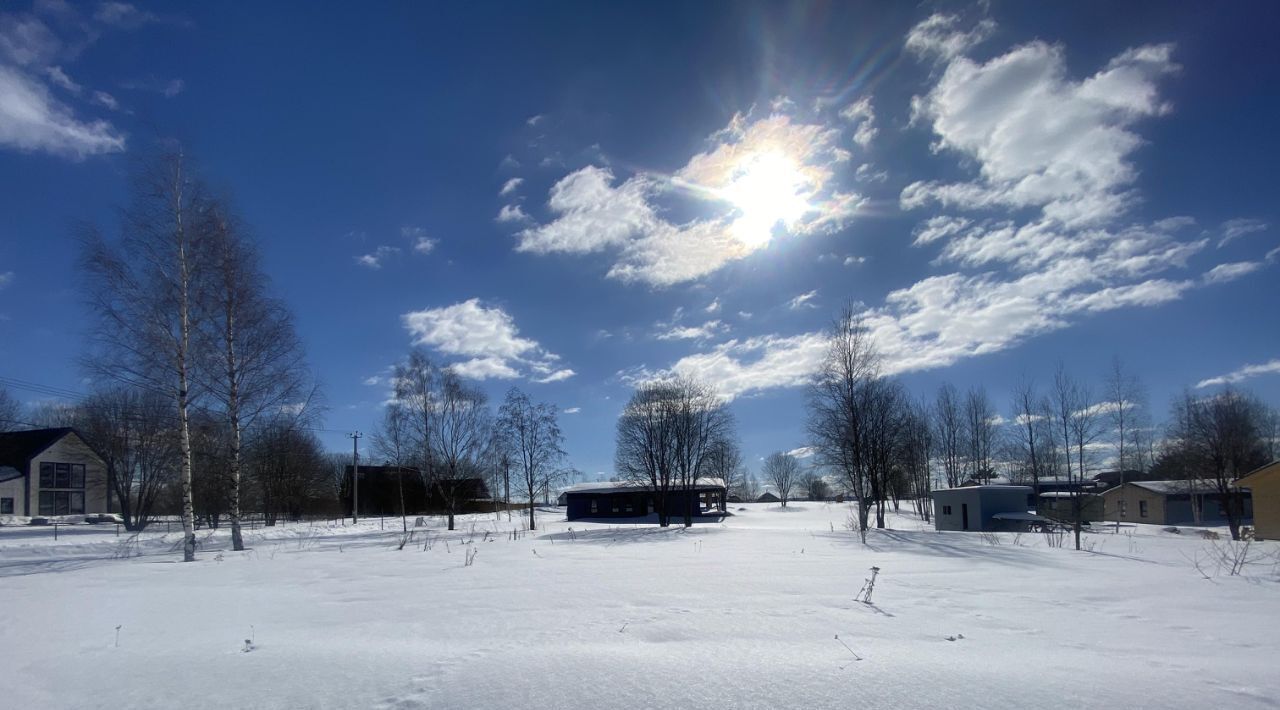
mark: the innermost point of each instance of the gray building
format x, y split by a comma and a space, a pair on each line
983, 508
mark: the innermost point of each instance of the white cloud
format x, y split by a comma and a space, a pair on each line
1243, 373
510, 186
1042, 139
594, 212
536, 119
486, 338
104, 99
375, 259
372, 380
740, 367
572, 410
868, 173
511, 213
59, 77
6, 278
804, 300
33, 120
1233, 229
861, 114
802, 452
854, 260
1223, 273
678, 332
939, 36
417, 236
122, 15
555, 376
713, 307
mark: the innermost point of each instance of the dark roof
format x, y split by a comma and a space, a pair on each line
19, 447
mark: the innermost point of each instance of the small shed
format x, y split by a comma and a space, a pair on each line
768, 497
983, 508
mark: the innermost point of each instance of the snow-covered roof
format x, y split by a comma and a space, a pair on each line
1067, 494
616, 486
1170, 488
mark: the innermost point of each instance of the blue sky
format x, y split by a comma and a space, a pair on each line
573, 197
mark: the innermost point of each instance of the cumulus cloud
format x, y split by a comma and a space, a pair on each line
484, 342
417, 236
375, 259
861, 114
596, 211
1245, 372
511, 213
1042, 139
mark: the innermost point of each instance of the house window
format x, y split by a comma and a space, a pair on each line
629, 507
595, 506
946, 510
6, 506
615, 505
1142, 509
61, 475
61, 502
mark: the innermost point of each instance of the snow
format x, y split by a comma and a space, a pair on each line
743, 613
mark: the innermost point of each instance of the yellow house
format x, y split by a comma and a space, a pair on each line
1265, 484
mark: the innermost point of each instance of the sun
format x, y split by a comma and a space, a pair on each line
766, 188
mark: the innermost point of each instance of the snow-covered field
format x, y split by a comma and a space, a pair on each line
743, 613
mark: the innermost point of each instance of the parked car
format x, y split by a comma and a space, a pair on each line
104, 518
40, 520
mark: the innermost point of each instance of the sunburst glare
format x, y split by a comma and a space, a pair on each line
767, 188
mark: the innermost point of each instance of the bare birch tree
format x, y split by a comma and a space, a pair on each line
143, 291
461, 428
252, 358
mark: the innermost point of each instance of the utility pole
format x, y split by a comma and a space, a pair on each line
355, 476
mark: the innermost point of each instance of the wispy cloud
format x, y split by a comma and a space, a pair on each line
1245, 372
804, 300
1223, 273
572, 410
1233, 229
510, 186
375, 259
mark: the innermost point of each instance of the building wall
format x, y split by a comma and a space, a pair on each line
1266, 503
70, 450
13, 489
1132, 496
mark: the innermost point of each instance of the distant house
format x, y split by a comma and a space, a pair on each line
634, 500
1264, 486
1111, 479
1061, 505
379, 492
51, 472
768, 497
1168, 503
983, 508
